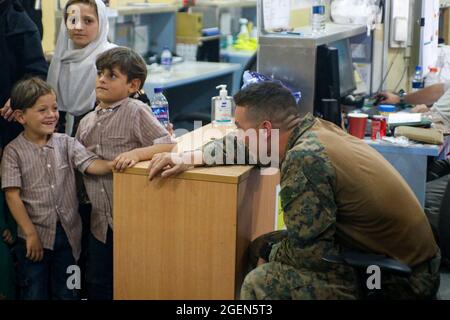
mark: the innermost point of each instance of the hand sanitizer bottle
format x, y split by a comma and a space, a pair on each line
222, 107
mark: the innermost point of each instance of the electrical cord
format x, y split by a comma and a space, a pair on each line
389, 71
401, 79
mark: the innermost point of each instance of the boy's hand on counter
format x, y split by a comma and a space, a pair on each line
168, 164
125, 160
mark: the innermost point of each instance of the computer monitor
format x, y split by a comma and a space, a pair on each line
334, 79
346, 74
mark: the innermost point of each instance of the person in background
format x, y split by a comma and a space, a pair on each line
21, 54
34, 10
7, 239
336, 193
426, 96
36, 167
118, 125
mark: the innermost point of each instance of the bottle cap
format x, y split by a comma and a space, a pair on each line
158, 90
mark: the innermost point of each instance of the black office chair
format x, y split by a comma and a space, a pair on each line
444, 227
360, 261
437, 205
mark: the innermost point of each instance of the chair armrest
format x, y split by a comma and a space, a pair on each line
364, 260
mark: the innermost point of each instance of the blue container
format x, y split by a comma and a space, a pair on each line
386, 108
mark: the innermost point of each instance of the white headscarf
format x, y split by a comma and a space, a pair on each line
72, 72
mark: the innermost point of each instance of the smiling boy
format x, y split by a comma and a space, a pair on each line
39, 182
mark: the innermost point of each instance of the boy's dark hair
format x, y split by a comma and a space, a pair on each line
127, 60
88, 2
268, 101
27, 91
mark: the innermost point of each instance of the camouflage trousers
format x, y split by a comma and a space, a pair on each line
274, 280
277, 281
422, 284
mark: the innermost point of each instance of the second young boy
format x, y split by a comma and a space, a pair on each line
118, 125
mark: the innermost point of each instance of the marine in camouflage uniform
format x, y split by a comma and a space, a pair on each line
309, 191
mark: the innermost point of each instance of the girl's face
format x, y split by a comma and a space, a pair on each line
82, 24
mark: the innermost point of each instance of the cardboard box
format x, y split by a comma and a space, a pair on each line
189, 25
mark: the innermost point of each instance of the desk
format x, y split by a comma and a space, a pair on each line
241, 57
410, 162
190, 87
187, 237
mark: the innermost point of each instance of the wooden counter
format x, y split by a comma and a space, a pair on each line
187, 237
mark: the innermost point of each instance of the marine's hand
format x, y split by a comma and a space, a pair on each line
168, 164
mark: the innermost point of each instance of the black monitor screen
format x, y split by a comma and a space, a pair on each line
346, 76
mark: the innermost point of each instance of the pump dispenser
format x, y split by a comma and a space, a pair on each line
244, 33
222, 107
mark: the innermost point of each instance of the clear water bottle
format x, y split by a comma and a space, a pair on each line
318, 16
160, 107
432, 77
166, 60
417, 82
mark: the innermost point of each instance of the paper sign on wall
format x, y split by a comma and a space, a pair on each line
276, 14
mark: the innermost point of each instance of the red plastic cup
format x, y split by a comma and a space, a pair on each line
357, 124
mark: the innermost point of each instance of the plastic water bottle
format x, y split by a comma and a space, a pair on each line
318, 16
160, 107
417, 82
432, 77
166, 60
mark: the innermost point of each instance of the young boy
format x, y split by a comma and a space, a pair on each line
39, 182
117, 125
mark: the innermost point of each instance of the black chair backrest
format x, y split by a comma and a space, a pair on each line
250, 65
444, 224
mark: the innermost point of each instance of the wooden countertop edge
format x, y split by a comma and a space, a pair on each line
199, 176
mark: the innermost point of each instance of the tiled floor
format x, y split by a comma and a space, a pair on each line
444, 289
